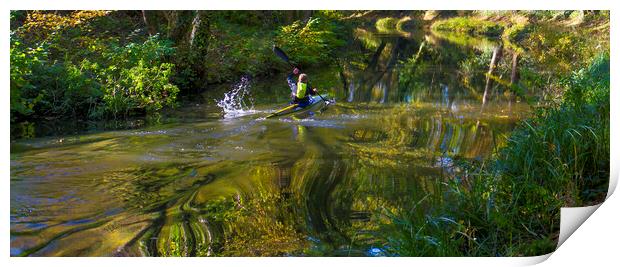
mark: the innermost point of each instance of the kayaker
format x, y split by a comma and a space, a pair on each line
300, 91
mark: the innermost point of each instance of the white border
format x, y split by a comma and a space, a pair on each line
595, 242
315, 4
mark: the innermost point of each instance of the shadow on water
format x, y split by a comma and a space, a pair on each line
202, 184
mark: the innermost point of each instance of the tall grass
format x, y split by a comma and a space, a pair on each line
510, 205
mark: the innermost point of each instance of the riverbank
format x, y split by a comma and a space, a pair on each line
69, 65
509, 205
98, 65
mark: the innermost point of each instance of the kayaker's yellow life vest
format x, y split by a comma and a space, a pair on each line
301, 90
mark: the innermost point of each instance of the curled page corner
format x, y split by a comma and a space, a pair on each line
536, 259
613, 180
572, 218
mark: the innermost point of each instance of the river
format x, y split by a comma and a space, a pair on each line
207, 181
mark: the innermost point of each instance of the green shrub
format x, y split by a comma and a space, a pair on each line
310, 43
70, 90
386, 24
567, 146
470, 26
228, 58
332, 14
48, 88
135, 77
123, 79
517, 32
24, 97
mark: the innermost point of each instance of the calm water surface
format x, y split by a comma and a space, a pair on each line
203, 182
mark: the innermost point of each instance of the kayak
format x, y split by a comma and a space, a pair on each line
316, 103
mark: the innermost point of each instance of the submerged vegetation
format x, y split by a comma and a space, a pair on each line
455, 133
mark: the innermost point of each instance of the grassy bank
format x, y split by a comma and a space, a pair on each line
510, 204
518, 28
470, 26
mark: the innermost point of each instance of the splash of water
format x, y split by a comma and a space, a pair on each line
235, 102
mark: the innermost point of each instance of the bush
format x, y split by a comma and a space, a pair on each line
469, 26
228, 58
24, 97
517, 32
310, 43
123, 79
386, 24
568, 145
135, 77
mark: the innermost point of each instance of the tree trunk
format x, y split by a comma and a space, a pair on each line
148, 23
497, 54
514, 73
179, 22
375, 57
307, 14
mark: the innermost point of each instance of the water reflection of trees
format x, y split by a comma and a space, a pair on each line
390, 69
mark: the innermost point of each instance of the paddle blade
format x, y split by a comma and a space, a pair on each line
281, 54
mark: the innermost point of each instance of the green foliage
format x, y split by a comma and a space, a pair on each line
517, 32
469, 26
545, 15
228, 57
331, 14
510, 206
48, 88
391, 25
70, 90
139, 87
134, 77
474, 67
368, 39
411, 70
419, 234
386, 24
312, 42
478, 42
121, 79
493, 12
555, 47
23, 94
589, 86
567, 146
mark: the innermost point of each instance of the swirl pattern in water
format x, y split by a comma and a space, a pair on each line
203, 184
